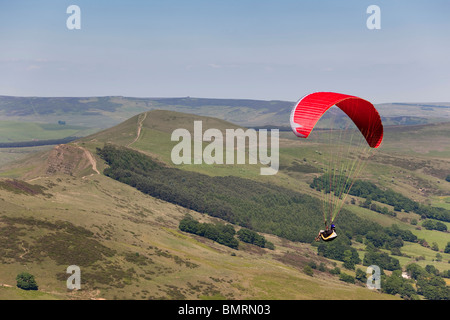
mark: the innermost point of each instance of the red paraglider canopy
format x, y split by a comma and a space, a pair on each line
309, 109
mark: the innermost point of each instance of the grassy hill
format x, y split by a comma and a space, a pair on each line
143, 254
29, 118
62, 210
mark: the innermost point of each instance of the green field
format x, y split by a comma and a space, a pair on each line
11, 131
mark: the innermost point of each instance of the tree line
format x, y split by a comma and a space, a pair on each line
434, 225
370, 191
221, 233
224, 233
36, 143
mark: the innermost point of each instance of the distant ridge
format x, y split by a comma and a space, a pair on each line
106, 111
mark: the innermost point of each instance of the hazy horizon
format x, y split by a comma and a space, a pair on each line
262, 50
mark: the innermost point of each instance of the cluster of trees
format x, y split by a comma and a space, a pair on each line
363, 189
250, 236
397, 284
223, 233
389, 237
381, 259
341, 250
369, 190
429, 282
394, 284
374, 207
447, 248
437, 213
346, 278
26, 281
434, 225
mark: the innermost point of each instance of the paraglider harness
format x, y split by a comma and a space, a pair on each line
327, 234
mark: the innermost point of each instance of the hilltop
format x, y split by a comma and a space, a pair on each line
34, 123
129, 244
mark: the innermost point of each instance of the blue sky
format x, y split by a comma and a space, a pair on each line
251, 49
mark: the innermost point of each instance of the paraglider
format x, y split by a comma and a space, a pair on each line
346, 148
327, 234
311, 107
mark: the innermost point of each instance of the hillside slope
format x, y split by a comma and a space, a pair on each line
128, 244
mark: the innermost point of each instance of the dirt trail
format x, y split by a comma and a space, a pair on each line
138, 133
91, 159
26, 251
